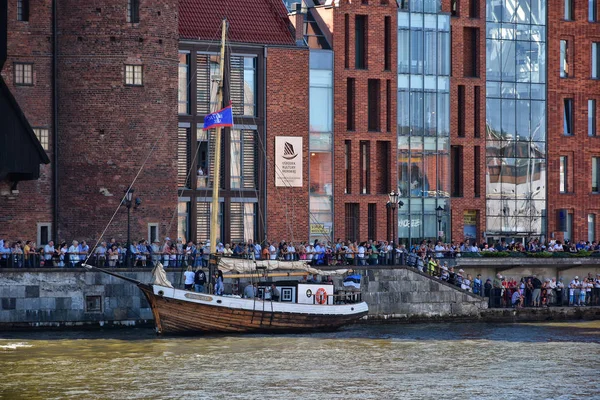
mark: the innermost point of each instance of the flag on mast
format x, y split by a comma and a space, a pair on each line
221, 118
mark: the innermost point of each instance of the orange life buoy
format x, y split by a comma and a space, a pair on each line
321, 296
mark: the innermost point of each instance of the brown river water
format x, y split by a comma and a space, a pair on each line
429, 361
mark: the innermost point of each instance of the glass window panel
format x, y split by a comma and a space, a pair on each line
538, 91
595, 166
443, 144
523, 32
430, 227
403, 50
538, 12
416, 175
591, 114
429, 61
249, 85
416, 226
321, 77
320, 173
416, 206
494, 207
416, 113
523, 120
320, 141
508, 13
493, 170
429, 143
508, 119
493, 60
403, 142
443, 22
591, 227
183, 86
403, 113
538, 150
430, 110
416, 82
508, 60
443, 175
321, 104
523, 90
404, 175
403, 80
321, 59
403, 20
509, 90
595, 60
538, 62
443, 53
429, 174
562, 171
443, 114
523, 52
429, 82
430, 21
493, 119
538, 121
492, 89
493, 148
443, 83
320, 204
523, 12
249, 218
416, 20
493, 12
416, 52
416, 143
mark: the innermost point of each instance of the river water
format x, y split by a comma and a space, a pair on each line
441, 361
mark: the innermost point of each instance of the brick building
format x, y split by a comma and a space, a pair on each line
481, 113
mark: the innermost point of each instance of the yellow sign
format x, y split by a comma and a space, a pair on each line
198, 297
470, 217
318, 229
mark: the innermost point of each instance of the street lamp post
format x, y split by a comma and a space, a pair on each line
439, 211
392, 203
128, 202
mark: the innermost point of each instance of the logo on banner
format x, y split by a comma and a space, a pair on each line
288, 151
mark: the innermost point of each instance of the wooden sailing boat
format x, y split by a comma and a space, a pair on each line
305, 306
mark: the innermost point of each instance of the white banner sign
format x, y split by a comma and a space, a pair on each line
288, 161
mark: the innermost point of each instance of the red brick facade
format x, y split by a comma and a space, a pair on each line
467, 117
29, 42
382, 157
579, 148
105, 128
287, 115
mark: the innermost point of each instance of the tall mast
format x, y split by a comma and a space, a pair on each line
214, 212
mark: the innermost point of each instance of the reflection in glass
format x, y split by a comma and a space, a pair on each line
320, 173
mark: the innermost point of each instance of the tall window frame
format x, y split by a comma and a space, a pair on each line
133, 11
183, 92
568, 117
563, 184
23, 10
23, 74
592, 117
134, 75
568, 10
595, 57
564, 58
595, 174
43, 137
592, 10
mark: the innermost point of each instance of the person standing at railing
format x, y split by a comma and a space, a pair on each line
596, 291
560, 292
28, 251
48, 254
83, 249
73, 253
477, 285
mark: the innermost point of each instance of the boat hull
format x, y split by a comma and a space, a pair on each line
182, 312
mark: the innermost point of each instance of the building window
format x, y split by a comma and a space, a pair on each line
43, 233
595, 60
42, 135
346, 41
360, 42
352, 218
477, 171
564, 59
388, 105
454, 8
563, 174
568, 115
568, 10
477, 112
133, 11
461, 110
153, 235
569, 231
348, 166
22, 10
593, 10
595, 175
23, 74
387, 43
243, 152
591, 117
372, 221
403, 5
243, 85
456, 160
350, 104
365, 168
93, 304
183, 156
133, 75
184, 83
473, 8
591, 227
374, 96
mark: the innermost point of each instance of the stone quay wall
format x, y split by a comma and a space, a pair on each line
405, 294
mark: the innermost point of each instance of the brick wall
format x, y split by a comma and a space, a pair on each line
30, 42
464, 75
375, 54
108, 129
287, 115
580, 148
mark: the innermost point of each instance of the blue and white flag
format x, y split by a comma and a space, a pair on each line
352, 281
222, 117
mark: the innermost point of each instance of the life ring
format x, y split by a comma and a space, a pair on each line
321, 296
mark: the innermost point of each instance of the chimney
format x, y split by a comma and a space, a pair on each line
3, 31
298, 23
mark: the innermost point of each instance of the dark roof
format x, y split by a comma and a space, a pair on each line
250, 21
20, 150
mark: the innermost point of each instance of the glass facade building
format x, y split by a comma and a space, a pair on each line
320, 146
423, 120
515, 117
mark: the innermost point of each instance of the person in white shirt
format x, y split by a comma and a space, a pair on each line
439, 250
361, 254
189, 278
272, 252
73, 253
574, 290
291, 251
48, 253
